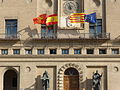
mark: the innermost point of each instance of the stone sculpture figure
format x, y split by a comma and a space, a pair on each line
45, 81
96, 80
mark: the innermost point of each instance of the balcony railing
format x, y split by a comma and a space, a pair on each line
80, 36
94, 36
4, 36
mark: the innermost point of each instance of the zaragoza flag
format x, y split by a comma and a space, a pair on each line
35, 20
41, 19
52, 19
77, 18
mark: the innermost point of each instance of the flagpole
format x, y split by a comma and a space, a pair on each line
96, 29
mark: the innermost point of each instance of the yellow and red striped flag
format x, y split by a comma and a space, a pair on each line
77, 18
52, 19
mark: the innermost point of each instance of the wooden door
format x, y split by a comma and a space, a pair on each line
71, 82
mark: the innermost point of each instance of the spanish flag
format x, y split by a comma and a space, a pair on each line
40, 20
52, 19
77, 18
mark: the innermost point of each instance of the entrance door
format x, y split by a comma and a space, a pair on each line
71, 79
10, 80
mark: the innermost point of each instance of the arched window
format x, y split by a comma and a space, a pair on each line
10, 80
71, 71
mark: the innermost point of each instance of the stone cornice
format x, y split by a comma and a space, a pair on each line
60, 56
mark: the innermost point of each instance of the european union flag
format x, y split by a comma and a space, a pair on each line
90, 18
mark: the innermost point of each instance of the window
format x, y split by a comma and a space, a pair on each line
90, 51
102, 51
40, 51
48, 31
28, 51
96, 29
11, 28
115, 51
4, 51
52, 51
43, 31
16, 51
77, 51
71, 71
65, 51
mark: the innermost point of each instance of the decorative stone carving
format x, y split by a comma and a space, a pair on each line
116, 69
76, 66
97, 3
62, 67
81, 79
28, 69
28, 1
81, 72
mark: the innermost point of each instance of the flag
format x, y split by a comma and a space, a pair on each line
35, 20
52, 19
40, 20
91, 18
77, 18
43, 18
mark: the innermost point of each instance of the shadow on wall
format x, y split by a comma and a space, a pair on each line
87, 84
29, 31
69, 33
116, 41
37, 85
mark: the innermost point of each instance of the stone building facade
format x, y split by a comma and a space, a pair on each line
69, 54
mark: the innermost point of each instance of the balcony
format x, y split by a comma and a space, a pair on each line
94, 36
81, 36
13, 37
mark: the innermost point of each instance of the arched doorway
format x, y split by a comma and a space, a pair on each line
10, 80
71, 79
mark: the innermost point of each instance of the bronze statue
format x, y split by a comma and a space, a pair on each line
45, 81
96, 80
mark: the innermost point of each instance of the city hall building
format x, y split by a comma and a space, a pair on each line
70, 53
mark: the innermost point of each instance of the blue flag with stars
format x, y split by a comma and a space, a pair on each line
91, 18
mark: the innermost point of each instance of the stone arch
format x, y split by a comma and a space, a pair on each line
14, 74
61, 74
10, 68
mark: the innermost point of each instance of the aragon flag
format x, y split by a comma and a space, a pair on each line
40, 20
77, 18
52, 19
